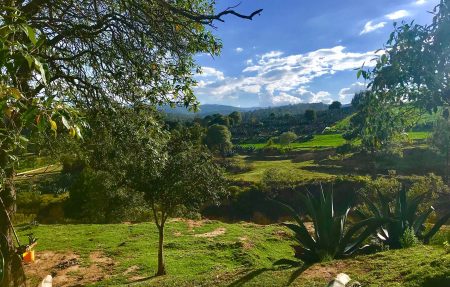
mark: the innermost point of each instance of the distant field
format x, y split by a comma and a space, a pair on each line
418, 135
330, 141
211, 253
319, 141
297, 169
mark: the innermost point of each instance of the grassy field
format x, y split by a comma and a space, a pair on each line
329, 141
210, 253
297, 169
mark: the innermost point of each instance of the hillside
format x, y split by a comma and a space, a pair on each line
258, 112
204, 110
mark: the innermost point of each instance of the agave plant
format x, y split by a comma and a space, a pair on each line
331, 237
404, 215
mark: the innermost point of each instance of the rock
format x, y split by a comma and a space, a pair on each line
47, 282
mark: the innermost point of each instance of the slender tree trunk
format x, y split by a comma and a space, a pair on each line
14, 272
161, 264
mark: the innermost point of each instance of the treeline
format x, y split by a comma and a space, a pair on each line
261, 125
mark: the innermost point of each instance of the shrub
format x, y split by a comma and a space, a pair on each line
332, 238
95, 197
409, 239
403, 213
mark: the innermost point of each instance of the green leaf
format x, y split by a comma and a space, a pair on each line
31, 34
358, 75
78, 131
41, 70
65, 122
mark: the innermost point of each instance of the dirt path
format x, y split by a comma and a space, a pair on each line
69, 270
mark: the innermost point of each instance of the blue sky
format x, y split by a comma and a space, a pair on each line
299, 51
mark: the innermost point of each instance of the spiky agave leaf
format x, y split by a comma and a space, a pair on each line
435, 228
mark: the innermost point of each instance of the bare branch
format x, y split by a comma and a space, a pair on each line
208, 19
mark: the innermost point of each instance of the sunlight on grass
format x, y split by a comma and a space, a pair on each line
295, 168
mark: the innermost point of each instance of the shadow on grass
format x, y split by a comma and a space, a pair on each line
278, 265
248, 277
140, 280
302, 267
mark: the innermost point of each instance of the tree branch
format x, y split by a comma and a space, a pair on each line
208, 19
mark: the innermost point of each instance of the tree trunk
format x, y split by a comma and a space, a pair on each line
161, 264
14, 272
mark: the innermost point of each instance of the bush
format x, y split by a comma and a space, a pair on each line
409, 239
96, 198
235, 167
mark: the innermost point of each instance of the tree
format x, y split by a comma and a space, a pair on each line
415, 64
91, 53
287, 138
380, 126
189, 179
336, 105
310, 115
218, 119
218, 139
18, 63
440, 139
235, 117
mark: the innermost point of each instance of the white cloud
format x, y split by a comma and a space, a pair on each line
397, 15
275, 77
208, 72
346, 94
421, 2
239, 50
370, 27
321, 97
284, 99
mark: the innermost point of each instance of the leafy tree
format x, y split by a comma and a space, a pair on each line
440, 139
380, 126
310, 115
336, 105
218, 119
218, 139
287, 138
91, 53
235, 118
415, 63
189, 179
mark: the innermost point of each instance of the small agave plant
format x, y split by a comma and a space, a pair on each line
404, 216
332, 236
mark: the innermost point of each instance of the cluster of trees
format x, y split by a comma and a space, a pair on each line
62, 59
410, 77
132, 162
310, 121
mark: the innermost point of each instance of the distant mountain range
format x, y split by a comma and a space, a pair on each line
210, 109
205, 110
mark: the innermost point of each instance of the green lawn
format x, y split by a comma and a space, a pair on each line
239, 255
329, 141
295, 168
418, 135
319, 141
